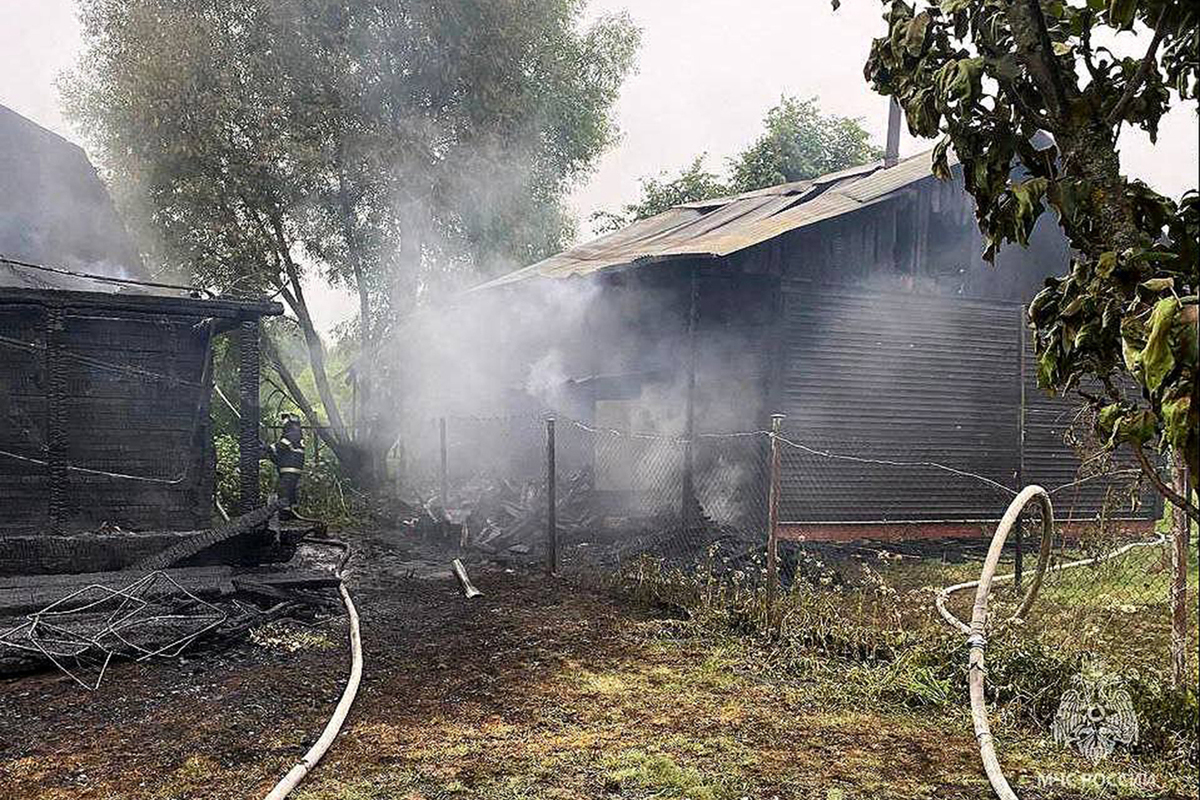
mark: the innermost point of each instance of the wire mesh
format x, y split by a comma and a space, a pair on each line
80, 633
663, 498
623, 497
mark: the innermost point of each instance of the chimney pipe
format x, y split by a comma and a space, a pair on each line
891, 155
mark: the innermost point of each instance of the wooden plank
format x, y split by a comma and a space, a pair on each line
287, 579
36, 553
113, 578
23, 595
145, 304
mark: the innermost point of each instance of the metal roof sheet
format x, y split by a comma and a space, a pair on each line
725, 225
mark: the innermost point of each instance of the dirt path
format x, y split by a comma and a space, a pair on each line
227, 724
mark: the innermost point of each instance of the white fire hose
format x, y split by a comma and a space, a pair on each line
976, 631
298, 772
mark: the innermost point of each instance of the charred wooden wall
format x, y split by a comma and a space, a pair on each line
639, 335
902, 378
103, 417
880, 334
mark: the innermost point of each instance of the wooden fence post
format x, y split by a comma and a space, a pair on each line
773, 512
57, 470
551, 502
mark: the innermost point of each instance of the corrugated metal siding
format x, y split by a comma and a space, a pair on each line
912, 378
900, 378
1051, 462
113, 421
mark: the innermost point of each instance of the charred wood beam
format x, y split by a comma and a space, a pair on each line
37, 553
250, 447
30, 593
56, 420
254, 521
147, 304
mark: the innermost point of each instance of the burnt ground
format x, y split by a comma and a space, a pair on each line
537, 690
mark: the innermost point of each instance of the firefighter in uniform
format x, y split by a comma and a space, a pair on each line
288, 457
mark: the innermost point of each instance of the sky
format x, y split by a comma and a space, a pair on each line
707, 72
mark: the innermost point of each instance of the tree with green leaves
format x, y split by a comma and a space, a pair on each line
659, 193
986, 76
389, 147
798, 143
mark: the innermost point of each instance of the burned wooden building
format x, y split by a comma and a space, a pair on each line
856, 304
105, 380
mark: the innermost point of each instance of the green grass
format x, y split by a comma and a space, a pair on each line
703, 715
851, 693
637, 773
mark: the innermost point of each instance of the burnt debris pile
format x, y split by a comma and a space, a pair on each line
482, 485
166, 594
513, 517
508, 519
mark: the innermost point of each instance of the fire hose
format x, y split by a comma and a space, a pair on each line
976, 630
305, 765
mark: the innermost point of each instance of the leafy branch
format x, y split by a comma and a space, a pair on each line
985, 77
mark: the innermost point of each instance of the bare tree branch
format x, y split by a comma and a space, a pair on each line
1036, 51
297, 394
316, 348
1163, 489
1041, 119
1089, 56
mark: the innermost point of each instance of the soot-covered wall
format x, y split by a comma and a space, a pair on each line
88, 389
881, 333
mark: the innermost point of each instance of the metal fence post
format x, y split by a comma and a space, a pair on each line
442, 492
1179, 567
773, 512
1019, 554
687, 501
551, 502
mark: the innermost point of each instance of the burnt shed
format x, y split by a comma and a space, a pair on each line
859, 306
105, 375
104, 405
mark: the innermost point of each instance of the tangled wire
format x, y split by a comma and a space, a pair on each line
152, 616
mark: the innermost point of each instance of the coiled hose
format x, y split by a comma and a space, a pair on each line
298, 772
976, 631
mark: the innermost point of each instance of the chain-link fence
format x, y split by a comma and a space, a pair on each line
1107, 591
620, 498
617, 495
